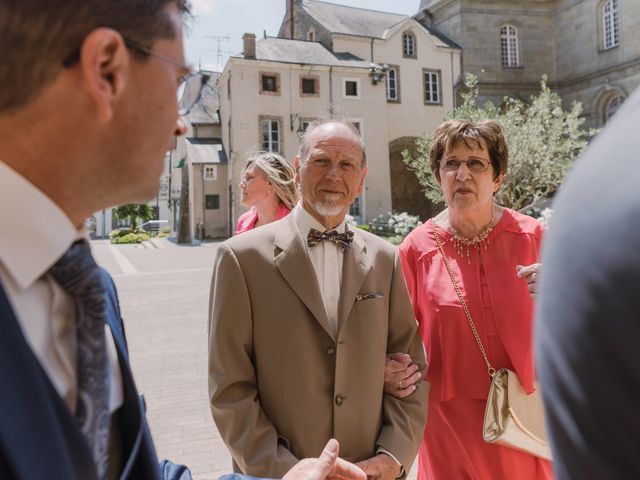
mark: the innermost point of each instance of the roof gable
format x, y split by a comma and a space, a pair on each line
284, 50
345, 20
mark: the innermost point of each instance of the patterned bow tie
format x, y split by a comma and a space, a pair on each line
342, 240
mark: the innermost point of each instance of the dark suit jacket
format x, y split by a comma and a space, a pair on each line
588, 325
39, 438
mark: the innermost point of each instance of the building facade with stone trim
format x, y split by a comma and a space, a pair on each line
387, 73
588, 49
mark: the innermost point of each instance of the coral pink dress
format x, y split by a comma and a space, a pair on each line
247, 220
502, 310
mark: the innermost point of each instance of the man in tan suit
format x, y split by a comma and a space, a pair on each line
302, 314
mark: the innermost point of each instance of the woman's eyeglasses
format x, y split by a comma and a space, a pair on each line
474, 165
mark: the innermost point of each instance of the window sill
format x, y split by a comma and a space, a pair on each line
605, 50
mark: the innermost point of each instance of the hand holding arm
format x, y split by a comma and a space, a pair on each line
400, 375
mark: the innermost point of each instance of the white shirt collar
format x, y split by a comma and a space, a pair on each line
36, 232
305, 221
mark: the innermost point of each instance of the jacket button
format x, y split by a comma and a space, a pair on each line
339, 400
331, 350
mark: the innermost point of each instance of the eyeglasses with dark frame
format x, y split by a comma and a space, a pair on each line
190, 87
474, 165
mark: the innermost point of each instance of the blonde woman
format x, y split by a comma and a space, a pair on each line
268, 190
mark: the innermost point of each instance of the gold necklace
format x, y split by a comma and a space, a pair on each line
479, 241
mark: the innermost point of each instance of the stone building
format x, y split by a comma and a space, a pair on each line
199, 175
387, 73
589, 49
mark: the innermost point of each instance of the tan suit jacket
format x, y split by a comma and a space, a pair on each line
280, 384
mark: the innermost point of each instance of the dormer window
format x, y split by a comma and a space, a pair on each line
311, 35
409, 47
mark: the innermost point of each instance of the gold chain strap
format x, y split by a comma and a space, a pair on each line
490, 369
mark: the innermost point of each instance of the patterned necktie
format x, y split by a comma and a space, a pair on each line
342, 240
77, 272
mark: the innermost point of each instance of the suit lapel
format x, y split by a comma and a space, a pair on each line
355, 268
295, 266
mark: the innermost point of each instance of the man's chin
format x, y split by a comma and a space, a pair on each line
327, 209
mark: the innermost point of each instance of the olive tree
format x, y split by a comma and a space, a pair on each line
544, 140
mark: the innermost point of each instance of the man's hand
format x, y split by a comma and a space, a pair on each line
327, 466
380, 467
531, 273
400, 375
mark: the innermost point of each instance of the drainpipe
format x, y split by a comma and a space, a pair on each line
331, 91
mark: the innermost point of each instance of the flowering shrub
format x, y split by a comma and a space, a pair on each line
545, 217
394, 224
544, 140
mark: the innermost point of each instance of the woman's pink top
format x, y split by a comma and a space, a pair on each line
247, 220
489, 285
502, 310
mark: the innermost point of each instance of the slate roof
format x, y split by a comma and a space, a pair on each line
202, 150
351, 20
301, 52
206, 111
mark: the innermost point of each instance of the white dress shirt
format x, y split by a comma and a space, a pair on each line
35, 234
327, 259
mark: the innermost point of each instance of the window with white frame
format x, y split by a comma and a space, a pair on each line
409, 45
210, 172
311, 35
270, 135
432, 87
610, 24
351, 87
509, 43
393, 93
612, 106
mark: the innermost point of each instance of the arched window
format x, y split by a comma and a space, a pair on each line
610, 15
409, 45
612, 106
509, 43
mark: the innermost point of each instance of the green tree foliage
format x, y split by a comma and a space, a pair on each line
134, 212
543, 139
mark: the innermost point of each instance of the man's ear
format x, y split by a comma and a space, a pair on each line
364, 175
296, 166
104, 65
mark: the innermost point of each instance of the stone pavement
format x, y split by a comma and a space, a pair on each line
164, 299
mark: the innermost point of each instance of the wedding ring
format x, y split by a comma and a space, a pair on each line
400, 386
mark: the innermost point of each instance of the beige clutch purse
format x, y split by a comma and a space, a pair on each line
514, 419
511, 418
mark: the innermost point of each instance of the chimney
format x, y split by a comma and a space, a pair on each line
287, 30
249, 40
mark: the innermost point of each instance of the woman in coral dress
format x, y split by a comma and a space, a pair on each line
493, 252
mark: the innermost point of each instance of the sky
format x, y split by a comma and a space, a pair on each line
233, 18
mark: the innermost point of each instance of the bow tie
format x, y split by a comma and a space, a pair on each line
342, 240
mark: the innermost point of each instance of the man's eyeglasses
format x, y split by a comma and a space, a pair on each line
190, 88
474, 165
